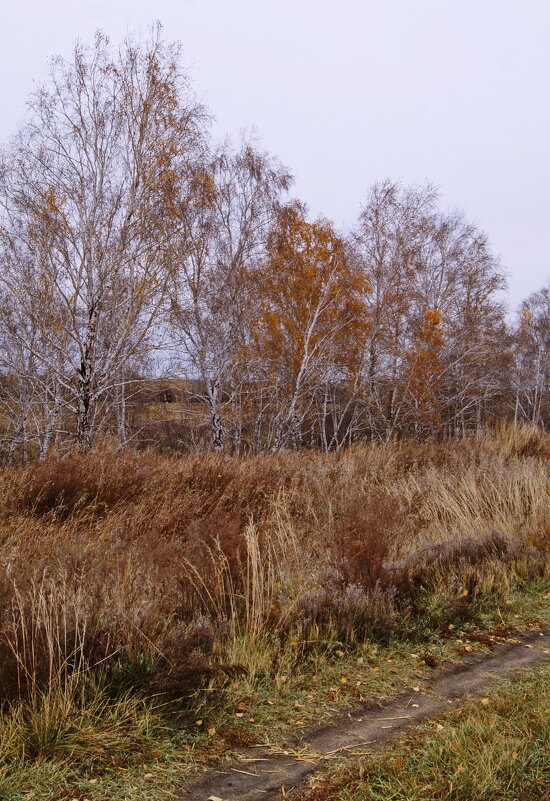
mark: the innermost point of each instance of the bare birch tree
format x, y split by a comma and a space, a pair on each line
91, 196
222, 245
532, 357
424, 265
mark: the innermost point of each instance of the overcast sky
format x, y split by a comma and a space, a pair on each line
456, 92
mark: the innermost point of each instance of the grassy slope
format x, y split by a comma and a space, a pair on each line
103, 561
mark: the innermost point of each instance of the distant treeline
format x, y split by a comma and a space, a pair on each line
158, 287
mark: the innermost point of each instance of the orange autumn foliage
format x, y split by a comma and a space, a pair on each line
312, 303
426, 366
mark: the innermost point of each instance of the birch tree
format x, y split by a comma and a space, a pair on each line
425, 265
310, 328
532, 357
91, 197
221, 247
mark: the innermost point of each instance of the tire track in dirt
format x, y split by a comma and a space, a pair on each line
267, 775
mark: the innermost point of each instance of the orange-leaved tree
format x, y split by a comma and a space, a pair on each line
311, 321
425, 372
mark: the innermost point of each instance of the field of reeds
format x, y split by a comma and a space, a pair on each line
130, 576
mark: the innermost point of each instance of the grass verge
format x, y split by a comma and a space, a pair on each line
496, 748
152, 748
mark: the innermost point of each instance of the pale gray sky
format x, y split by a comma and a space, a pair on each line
352, 91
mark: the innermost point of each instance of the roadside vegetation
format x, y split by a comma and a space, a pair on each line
159, 612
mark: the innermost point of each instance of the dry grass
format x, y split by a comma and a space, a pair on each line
124, 575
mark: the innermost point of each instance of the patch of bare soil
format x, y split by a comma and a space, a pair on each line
272, 774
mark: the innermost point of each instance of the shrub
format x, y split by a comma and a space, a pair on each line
364, 539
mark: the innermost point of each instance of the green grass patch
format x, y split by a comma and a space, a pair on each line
495, 748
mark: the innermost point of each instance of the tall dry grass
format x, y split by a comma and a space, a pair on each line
127, 574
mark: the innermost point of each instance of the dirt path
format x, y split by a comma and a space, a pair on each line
268, 776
